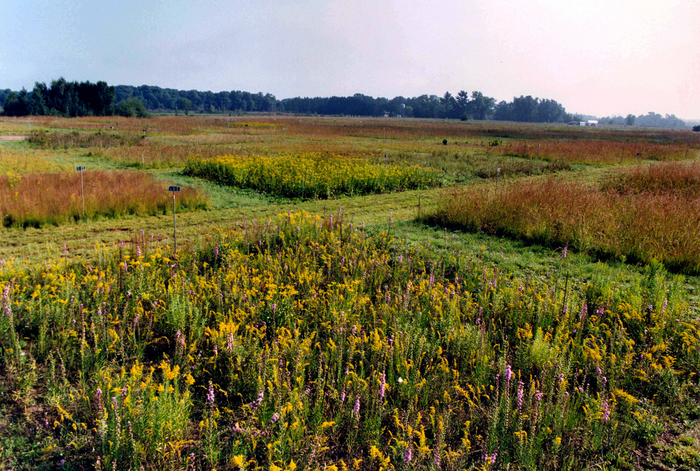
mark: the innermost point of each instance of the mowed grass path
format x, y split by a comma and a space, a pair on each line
47, 243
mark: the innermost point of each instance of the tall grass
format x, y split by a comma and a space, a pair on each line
678, 178
639, 226
311, 344
311, 175
55, 140
598, 151
39, 199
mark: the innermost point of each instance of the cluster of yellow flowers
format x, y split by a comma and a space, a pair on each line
311, 175
309, 343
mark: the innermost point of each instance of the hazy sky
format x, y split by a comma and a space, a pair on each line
600, 57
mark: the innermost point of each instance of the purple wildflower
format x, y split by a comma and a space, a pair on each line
521, 390
356, 409
408, 455
382, 386
606, 411
274, 418
563, 252
210, 394
508, 375
256, 403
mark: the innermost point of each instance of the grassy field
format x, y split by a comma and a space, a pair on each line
539, 310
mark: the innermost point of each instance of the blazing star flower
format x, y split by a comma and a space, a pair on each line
210, 394
408, 455
256, 403
606, 411
521, 390
229, 343
356, 409
382, 386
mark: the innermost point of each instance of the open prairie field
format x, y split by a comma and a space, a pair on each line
347, 294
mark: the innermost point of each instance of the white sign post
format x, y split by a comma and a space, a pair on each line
174, 189
82, 193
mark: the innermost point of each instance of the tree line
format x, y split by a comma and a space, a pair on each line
69, 99
62, 98
651, 119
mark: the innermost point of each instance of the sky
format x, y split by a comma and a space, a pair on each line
596, 57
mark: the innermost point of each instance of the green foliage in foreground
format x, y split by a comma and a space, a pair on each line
314, 345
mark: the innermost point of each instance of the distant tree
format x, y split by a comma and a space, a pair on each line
462, 100
131, 108
481, 106
3, 95
656, 120
449, 106
525, 109
185, 105
630, 119
696, 128
504, 111
549, 111
38, 100
17, 104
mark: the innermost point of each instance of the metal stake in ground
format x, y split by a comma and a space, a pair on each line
82, 193
174, 189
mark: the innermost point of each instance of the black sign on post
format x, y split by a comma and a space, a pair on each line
82, 193
173, 188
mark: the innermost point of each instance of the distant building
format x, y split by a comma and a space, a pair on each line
591, 123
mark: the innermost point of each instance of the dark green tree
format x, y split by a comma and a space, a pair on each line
185, 105
17, 104
481, 106
131, 108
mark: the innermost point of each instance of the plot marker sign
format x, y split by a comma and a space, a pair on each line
174, 189
82, 193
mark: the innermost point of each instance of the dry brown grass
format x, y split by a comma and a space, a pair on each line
681, 178
39, 199
634, 226
596, 151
